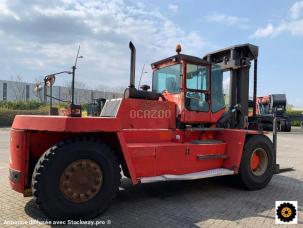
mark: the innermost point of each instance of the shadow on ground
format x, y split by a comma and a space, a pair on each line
188, 203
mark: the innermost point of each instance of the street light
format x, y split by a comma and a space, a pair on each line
49, 80
74, 67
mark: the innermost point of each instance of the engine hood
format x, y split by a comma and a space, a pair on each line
66, 124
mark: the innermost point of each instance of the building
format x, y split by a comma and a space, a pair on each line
13, 91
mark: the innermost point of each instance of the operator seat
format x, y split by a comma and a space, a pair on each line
171, 84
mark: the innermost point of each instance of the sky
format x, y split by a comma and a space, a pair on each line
41, 37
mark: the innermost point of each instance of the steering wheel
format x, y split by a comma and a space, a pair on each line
235, 108
192, 96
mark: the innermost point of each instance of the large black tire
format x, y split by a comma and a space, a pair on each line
283, 126
246, 175
288, 126
51, 165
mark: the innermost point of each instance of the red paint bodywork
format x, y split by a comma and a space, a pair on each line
149, 147
187, 116
19, 158
147, 142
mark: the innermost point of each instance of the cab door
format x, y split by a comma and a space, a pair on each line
171, 158
196, 94
206, 156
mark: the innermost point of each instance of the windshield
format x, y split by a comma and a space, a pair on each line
217, 94
167, 78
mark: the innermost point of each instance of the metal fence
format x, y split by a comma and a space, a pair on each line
21, 91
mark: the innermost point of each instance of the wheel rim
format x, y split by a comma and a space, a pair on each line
258, 162
81, 180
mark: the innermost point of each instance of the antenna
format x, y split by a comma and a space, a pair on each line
78, 57
142, 72
74, 71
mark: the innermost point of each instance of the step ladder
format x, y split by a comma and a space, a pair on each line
189, 176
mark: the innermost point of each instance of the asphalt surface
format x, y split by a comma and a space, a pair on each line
202, 203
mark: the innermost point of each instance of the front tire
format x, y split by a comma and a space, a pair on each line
76, 179
256, 168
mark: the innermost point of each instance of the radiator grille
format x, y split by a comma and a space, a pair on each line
111, 108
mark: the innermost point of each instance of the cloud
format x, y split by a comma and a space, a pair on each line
40, 37
296, 10
228, 20
264, 32
173, 7
292, 25
5, 11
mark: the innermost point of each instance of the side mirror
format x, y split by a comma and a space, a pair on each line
145, 87
50, 80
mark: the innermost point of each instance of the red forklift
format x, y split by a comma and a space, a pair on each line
177, 130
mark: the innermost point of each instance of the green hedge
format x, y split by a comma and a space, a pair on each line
7, 116
31, 105
295, 113
21, 105
292, 112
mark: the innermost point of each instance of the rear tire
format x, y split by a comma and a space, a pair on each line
285, 126
254, 178
47, 188
288, 126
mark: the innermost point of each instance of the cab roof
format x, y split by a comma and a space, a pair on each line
179, 57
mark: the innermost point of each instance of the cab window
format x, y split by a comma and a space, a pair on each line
196, 85
217, 94
196, 77
167, 78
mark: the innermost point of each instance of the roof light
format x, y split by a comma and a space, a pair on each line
178, 48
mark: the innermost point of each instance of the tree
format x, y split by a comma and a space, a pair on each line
82, 92
39, 89
18, 88
289, 107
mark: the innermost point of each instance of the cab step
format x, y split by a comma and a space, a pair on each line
189, 176
212, 156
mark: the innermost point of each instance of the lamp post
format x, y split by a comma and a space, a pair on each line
49, 80
74, 67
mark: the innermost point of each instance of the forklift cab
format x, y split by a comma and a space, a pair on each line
195, 85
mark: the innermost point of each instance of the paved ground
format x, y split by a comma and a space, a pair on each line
202, 203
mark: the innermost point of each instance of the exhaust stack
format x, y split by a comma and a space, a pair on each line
132, 65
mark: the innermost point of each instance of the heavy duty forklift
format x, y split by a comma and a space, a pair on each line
178, 130
270, 107
273, 106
